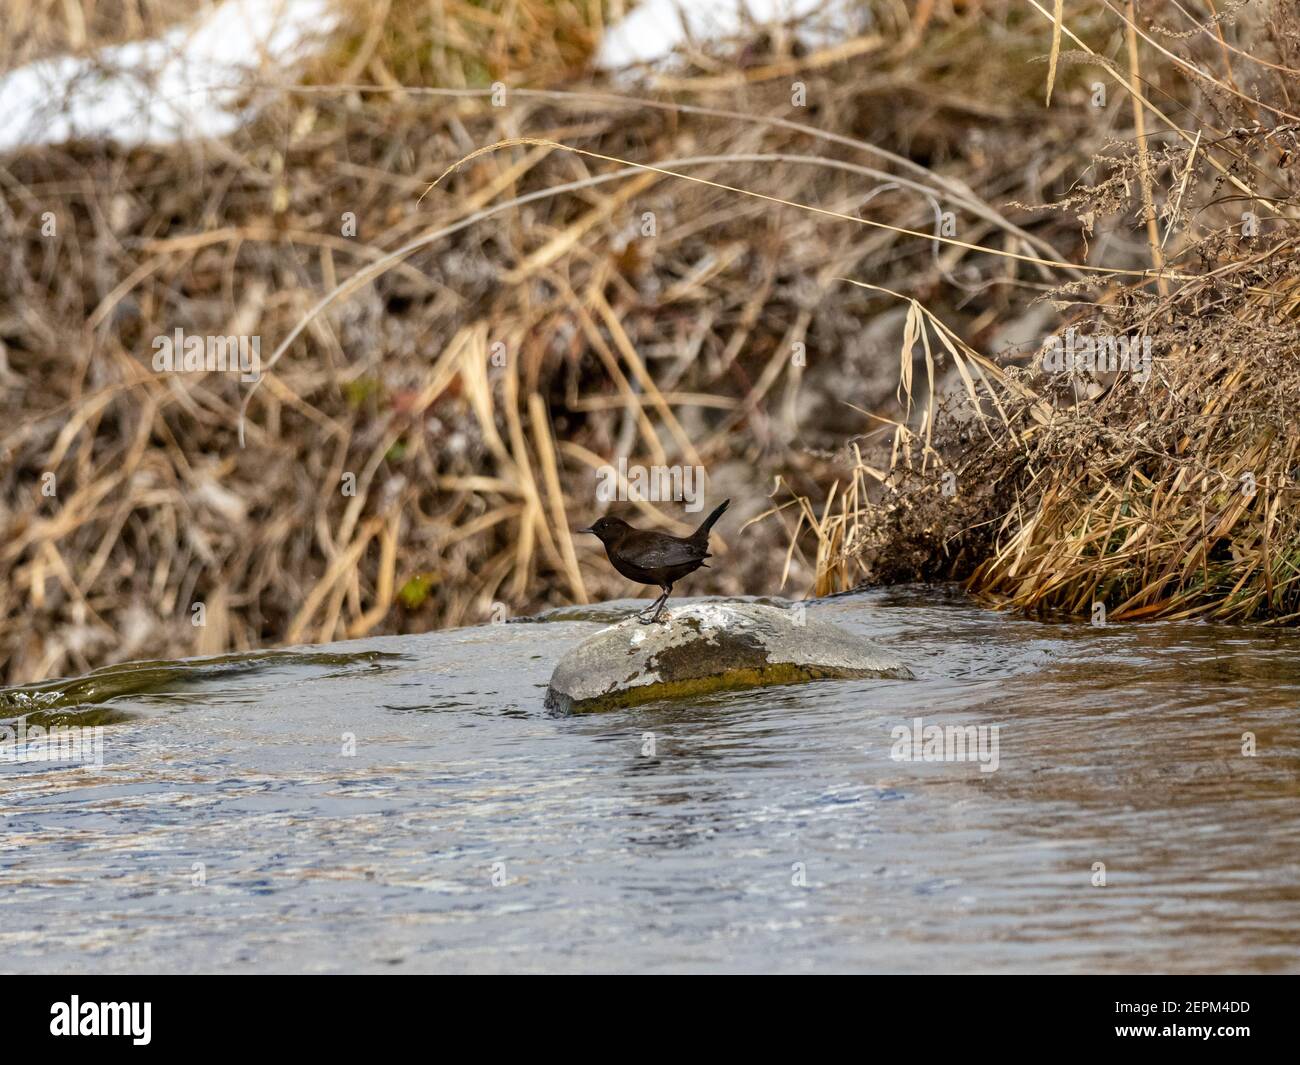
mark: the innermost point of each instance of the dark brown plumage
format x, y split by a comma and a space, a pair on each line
654, 557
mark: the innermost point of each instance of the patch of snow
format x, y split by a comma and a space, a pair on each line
181, 85
657, 28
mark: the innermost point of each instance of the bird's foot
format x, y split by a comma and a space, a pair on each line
654, 610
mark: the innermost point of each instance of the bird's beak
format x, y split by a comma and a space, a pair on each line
584, 530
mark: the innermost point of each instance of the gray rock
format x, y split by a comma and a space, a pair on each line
710, 646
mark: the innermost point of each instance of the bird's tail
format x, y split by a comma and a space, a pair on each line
702, 533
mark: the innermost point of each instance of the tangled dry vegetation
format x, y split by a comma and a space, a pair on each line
667, 341
1170, 494
468, 359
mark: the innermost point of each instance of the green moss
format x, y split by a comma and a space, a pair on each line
415, 591
732, 680
155, 678
86, 717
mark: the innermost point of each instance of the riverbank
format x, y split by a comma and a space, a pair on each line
417, 456
821, 291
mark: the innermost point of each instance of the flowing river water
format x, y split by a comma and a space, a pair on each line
233, 826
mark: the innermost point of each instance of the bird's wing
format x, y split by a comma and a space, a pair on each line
654, 550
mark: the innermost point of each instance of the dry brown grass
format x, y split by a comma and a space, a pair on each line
1171, 497
36, 29
675, 348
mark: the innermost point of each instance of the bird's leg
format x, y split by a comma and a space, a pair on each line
657, 603
641, 615
646, 609
663, 601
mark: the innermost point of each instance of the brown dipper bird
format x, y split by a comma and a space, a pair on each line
654, 557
